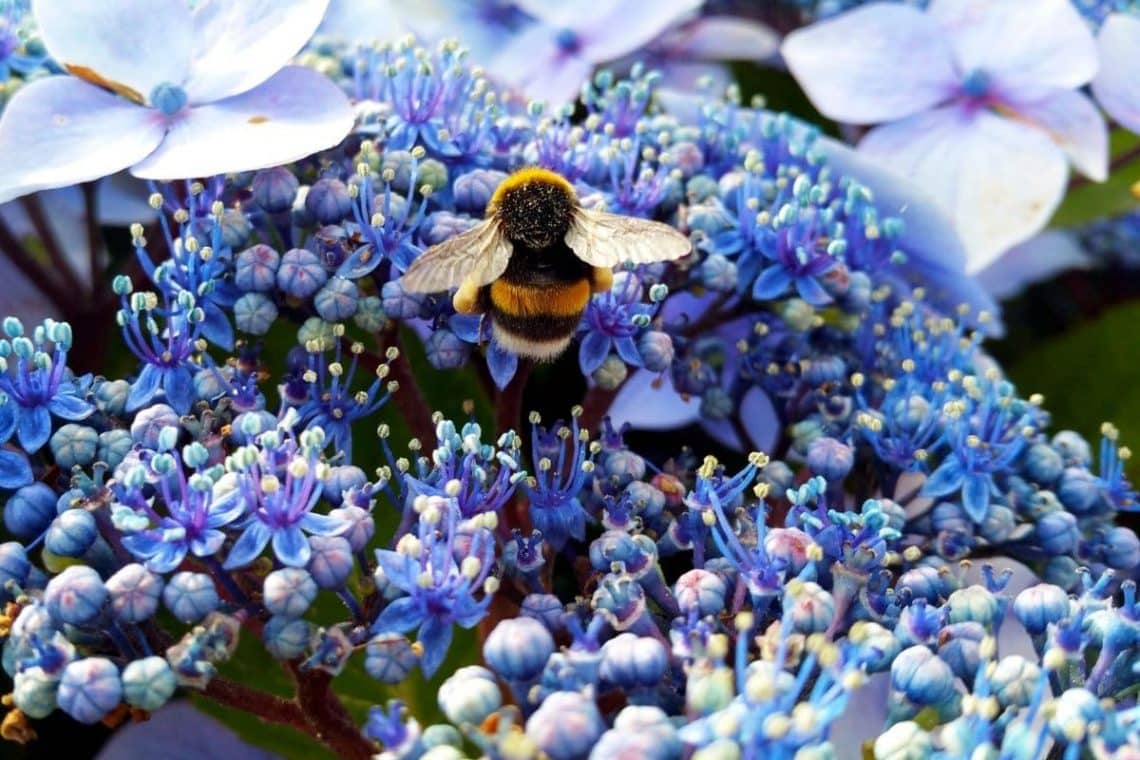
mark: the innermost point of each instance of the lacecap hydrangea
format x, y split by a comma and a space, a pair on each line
272, 470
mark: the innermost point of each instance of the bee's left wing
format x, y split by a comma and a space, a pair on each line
606, 240
481, 254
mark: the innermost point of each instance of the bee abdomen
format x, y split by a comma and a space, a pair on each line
536, 320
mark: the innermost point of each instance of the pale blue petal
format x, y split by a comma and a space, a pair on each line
1024, 44
593, 351
811, 291
501, 364
240, 45
435, 636
61, 131
760, 419
248, 546
291, 546
216, 328
771, 283
627, 350
1037, 259
400, 616
399, 569
975, 166
976, 496
1072, 121
34, 428
179, 388
877, 63
1117, 83
944, 480
297, 112
7, 419
70, 407
323, 525
615, 28
14, 470
144, 387
137, 43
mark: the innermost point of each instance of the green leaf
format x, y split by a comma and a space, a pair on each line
1087, 376
1093, 200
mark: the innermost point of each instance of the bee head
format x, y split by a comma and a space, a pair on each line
534, 208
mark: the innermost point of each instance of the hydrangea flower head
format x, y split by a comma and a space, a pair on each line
155, 86
976, 102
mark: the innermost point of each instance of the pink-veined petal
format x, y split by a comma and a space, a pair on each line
999, 180
721, 38
136, 43
630, 25
61, 131
1117, 84
877, 63
1039, 258
1073, 122
295, 114
242, 44
1021, 43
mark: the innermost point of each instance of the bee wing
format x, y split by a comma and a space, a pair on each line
605, 240
481, 253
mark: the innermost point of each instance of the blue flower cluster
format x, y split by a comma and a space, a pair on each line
658, 605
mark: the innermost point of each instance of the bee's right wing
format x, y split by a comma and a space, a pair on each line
606, 240
481, 254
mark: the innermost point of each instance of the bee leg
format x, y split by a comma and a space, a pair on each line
466, 299
602, 280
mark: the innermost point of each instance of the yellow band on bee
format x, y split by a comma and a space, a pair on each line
527, 176
549, 300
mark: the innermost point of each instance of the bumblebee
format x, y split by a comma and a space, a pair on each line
533, 263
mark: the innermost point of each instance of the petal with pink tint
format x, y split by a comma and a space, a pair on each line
878, 63
136, 43
999, 180
1073, 122
296, 113
61, 131
242, 44
1117, 84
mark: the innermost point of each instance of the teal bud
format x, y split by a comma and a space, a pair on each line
369, 314
718, 273
877, 645
168, 98
700, 188
973, 604
286, 638
113, 447
336, 301
709, 689
469, 696
13, 327
442, 735
1061, 571
90, 689
431, 173
74, 446
289, 592
34, 692
235, 227
149, 683
111, 397
254, 313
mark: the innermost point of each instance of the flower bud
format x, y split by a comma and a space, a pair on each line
566, 725
517, 648
190, 596
336, 301
328, 201
30, 510
289, 592
72, 533
905, 740
90, 688
134, 593
286, 638
830, 458
1038, 606
275, 189
389, 657
148, 683
469, 696
300, 273
255, 268
632, 661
